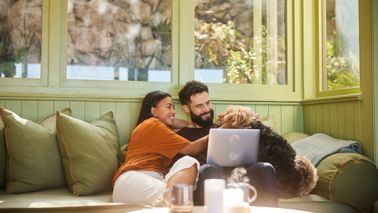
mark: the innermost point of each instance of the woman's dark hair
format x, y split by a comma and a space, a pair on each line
149, 101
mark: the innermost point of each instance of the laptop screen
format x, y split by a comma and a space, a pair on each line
233, 147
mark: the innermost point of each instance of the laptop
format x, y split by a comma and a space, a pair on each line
232, 147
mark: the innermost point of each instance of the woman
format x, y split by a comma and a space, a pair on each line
146, 173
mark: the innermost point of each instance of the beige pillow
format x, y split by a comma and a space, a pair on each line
33, 160
348, 178
294, 136
89, 152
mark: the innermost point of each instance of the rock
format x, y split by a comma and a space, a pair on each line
153, 4
146, 33
141, 12
149, 47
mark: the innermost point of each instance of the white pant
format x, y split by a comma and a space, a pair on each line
147, 186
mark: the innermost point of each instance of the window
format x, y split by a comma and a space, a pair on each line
340, 55
20, 39
107, 48
243, 42
119, 40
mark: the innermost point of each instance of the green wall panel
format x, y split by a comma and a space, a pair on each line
219, 108
340, 120
45, 108
122, 117
349, 120
326, 121
263, 110
282, 117
78, 109
29, 110
92, 111
287, 122
14, 105
357, 119
59, 105
134, 113
108, 106
333, 119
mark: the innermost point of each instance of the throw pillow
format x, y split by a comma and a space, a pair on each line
89, 152
294, 136
348, 178
33, 160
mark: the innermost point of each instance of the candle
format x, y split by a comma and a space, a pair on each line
214, 195
232, 196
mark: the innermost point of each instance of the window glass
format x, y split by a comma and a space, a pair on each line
241, 41
119, 40
20, 38
341, 62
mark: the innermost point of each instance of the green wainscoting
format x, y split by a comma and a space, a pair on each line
283, 117
340, 118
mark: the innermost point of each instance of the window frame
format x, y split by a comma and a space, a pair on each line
129, 88
44, 56
53, 82
248, 92
321, 11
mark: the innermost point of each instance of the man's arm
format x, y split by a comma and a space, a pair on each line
178, 124
196, 146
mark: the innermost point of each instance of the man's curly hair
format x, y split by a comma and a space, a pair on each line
191, 88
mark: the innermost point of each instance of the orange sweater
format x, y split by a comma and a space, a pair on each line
151, 147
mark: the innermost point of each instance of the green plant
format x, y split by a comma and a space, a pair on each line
7, 57
342, 72
222, 46
239, 67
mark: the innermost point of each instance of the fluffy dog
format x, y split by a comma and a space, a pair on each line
296, 176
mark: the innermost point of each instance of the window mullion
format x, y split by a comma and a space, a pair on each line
186, 41
258, 38
56, 41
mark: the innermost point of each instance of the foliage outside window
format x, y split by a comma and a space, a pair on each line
119, 40
20, 38
241, 41
341, 60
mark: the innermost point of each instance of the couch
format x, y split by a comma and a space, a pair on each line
64, 164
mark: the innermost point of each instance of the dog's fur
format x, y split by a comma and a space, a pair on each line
296, 176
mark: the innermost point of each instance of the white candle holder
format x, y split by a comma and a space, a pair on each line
214, 195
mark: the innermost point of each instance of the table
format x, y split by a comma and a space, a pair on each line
200, 209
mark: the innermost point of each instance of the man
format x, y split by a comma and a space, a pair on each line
194, 97
195, 101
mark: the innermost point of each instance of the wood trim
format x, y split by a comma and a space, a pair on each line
332, 99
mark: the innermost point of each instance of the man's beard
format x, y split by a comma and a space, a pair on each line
197, 119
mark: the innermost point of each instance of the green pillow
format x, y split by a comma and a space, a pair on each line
33, 160
348, 178
2, 154
89, 152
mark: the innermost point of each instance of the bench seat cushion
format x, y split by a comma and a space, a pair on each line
62, 200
